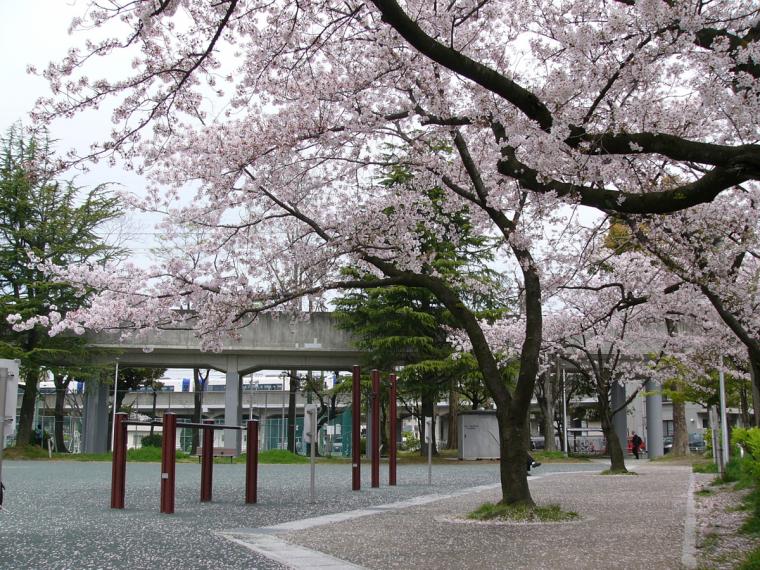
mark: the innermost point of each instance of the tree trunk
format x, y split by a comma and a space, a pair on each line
453, 440
754, 361
292, 411
61, 385
617, 457
744, 404
28, 403
554, 383
512, 413
545, 401
514, 457
198, 386
680, 432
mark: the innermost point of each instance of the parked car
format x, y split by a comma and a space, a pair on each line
667, 444
697, 443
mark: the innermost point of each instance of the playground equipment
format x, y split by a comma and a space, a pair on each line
169, 444
374, 429
168, 459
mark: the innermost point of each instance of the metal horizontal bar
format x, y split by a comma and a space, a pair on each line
185, 425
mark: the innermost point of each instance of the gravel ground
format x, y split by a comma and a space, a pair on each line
58, 516
627, 521
58, 513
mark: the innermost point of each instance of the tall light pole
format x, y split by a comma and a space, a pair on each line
113, 421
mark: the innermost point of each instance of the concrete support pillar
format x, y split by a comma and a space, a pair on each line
654, 420
95, 421
233, 406
619, 420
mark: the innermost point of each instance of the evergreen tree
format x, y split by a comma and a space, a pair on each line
42, 221
407, 327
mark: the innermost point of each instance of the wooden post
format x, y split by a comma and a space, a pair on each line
119, 461
207, 462
375, 435
252, 462
356, 443
392, 413
168, 462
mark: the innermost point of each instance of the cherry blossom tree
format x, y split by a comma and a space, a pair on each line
714, 249
611, 330
281, 117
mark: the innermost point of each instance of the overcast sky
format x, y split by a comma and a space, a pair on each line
34, 32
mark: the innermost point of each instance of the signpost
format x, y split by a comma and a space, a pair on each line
310, 437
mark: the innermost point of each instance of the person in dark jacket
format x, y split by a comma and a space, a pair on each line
636, 442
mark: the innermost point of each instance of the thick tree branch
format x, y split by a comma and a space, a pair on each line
462, 65
705, 189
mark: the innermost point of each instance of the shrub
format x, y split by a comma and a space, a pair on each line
151, 454
152, 440
409, 442
749, 440
282, 456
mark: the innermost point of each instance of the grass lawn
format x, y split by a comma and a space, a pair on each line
272, 456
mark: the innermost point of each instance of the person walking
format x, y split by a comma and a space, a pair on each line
636, 442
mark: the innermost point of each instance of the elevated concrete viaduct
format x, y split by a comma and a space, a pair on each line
267, 344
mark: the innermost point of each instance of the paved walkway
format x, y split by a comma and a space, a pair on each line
644, 521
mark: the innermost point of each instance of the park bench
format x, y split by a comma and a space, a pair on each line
230, 452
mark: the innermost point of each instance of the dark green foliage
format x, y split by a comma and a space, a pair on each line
408, 326
151, 454
152, 440
281, 456
752, 504
43, 221
704, 468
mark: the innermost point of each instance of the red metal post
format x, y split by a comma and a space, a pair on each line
356, 442
252, 462
119, 462
392, 413
375, 435
168, 461
207, 462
